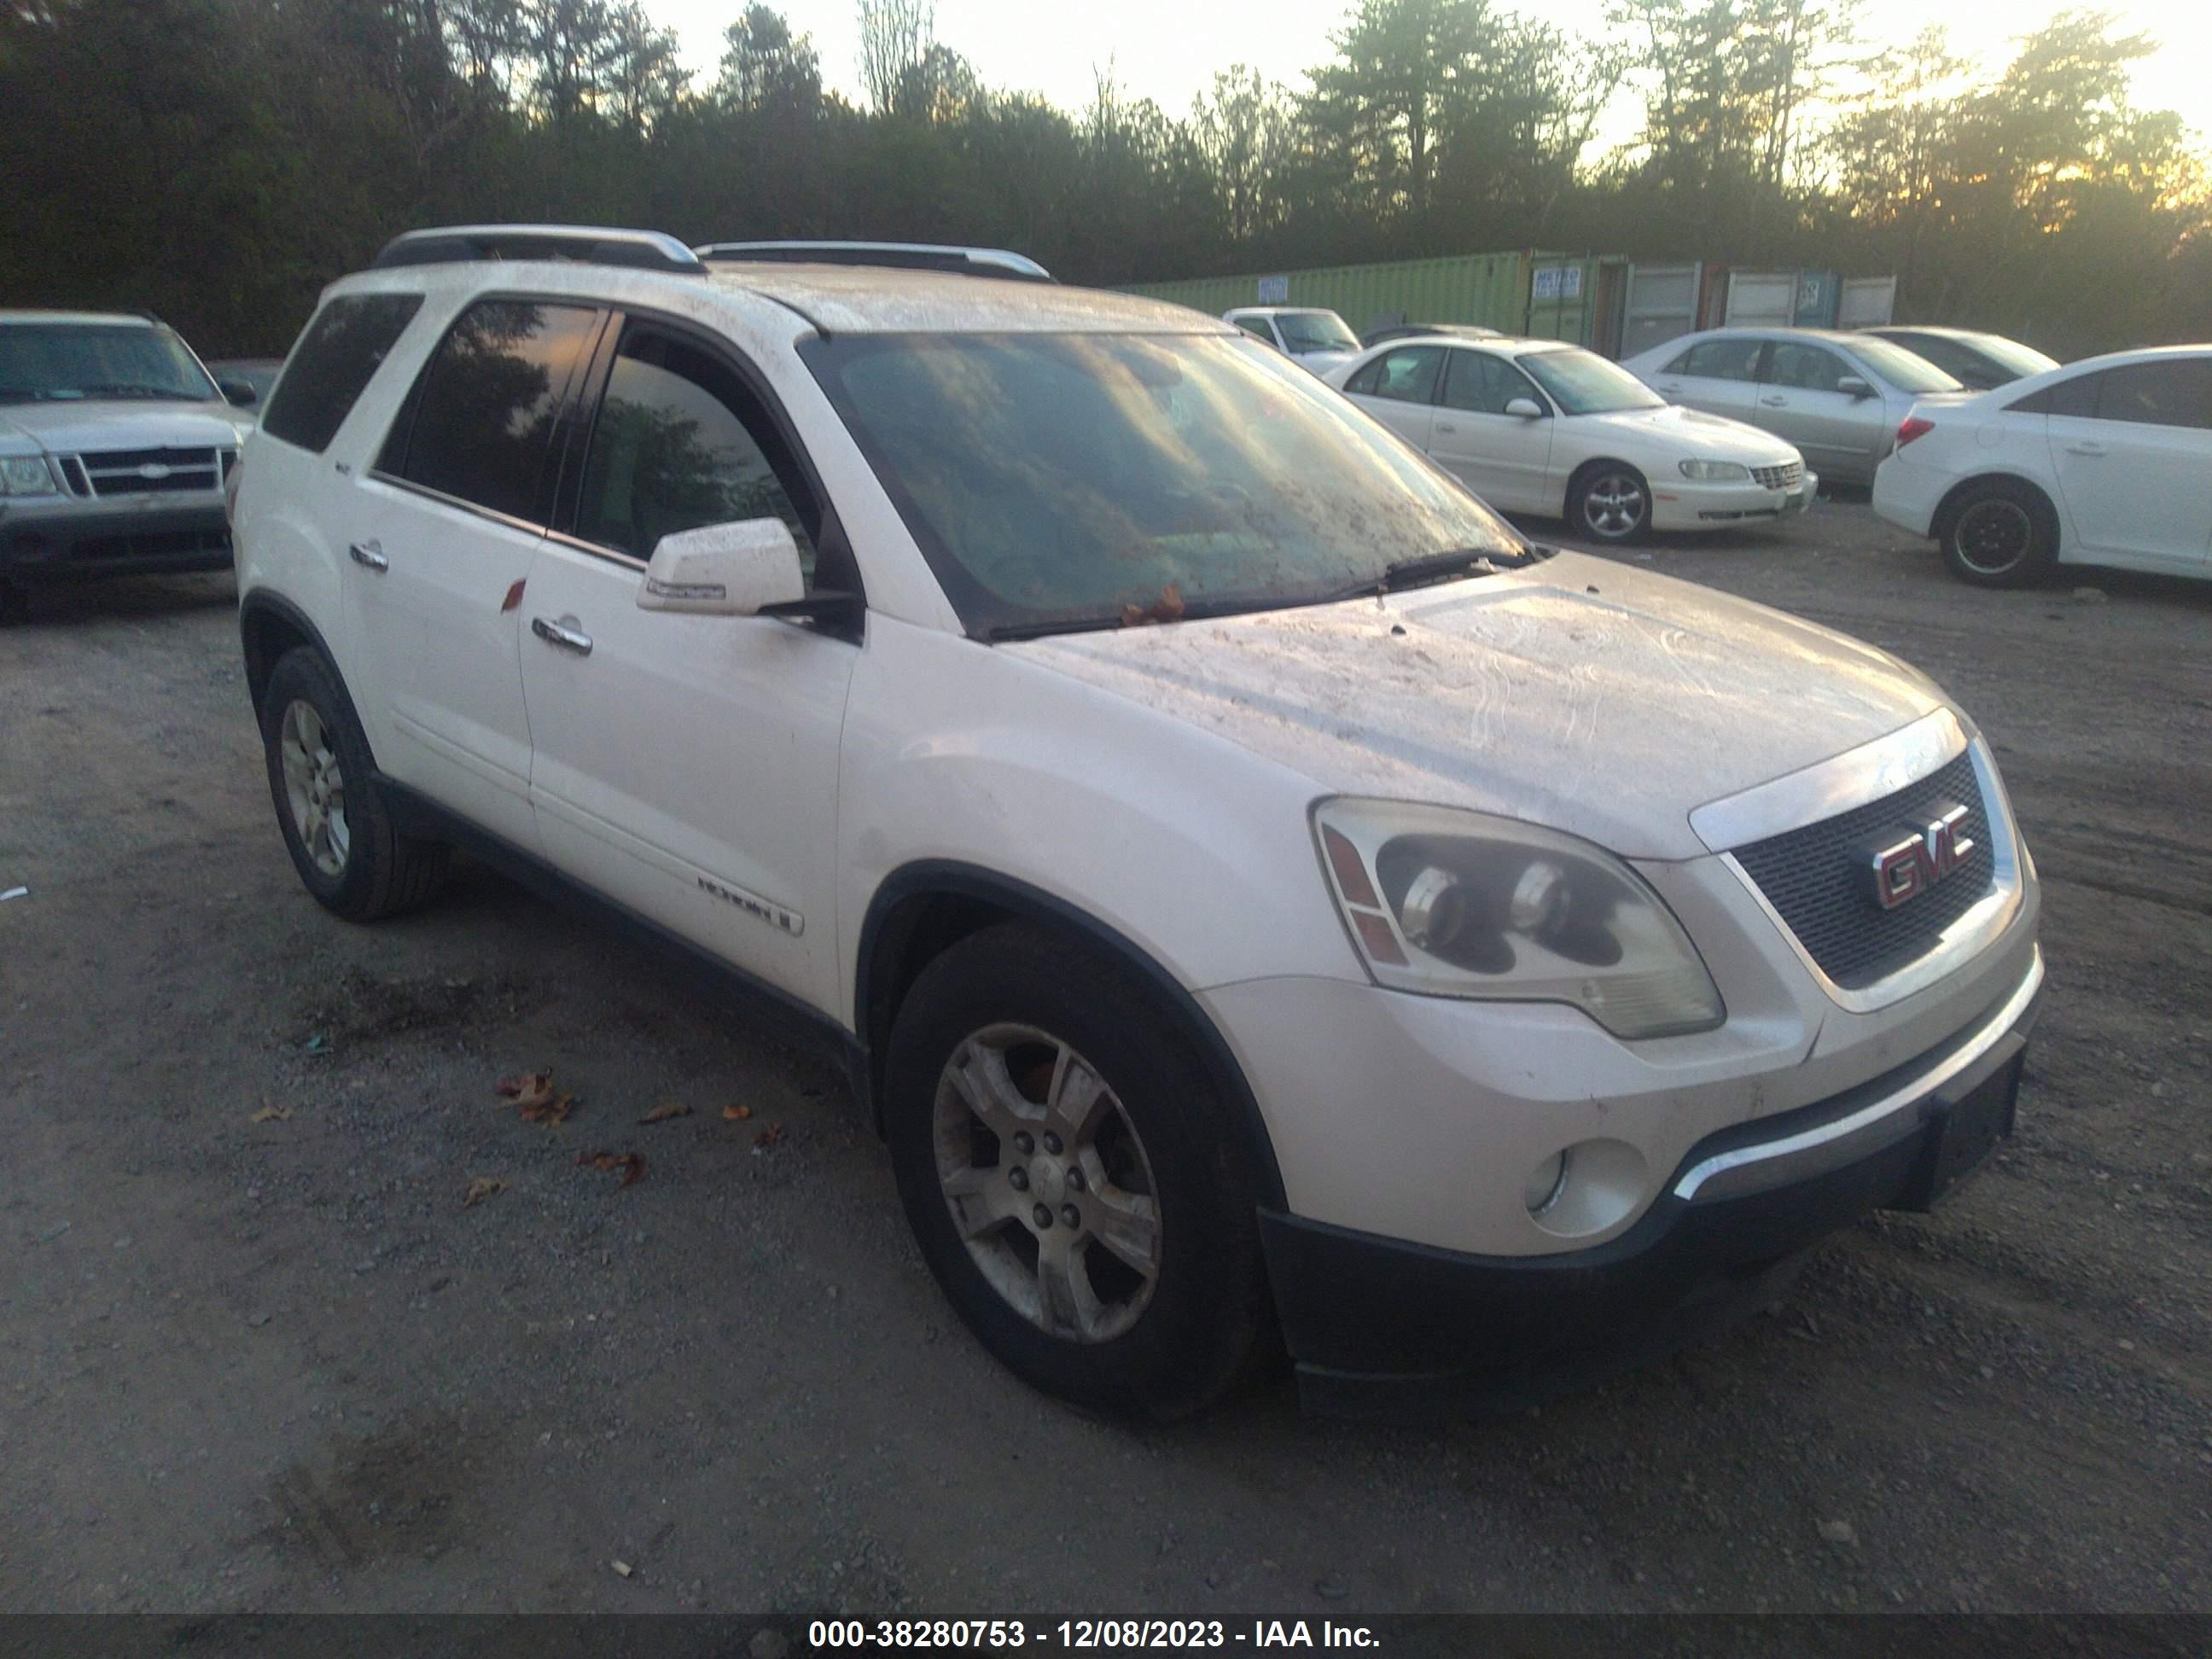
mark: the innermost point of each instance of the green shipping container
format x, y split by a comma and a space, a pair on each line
1509, 292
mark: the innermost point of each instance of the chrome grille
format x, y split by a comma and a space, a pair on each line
1816, 881
1787, 477
151, 472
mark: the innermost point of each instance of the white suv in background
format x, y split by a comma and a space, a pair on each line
2107, 461
1246, 883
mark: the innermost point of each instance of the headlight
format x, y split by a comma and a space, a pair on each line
1716, 471
25, 474
1461, 904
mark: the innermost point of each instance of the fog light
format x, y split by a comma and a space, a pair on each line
1546, 1182
1432, 909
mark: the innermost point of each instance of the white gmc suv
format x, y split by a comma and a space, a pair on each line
1250, 886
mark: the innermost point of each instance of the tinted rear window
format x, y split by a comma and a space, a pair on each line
333, 363
483, 417
2165, 391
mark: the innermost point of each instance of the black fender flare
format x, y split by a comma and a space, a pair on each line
934, 878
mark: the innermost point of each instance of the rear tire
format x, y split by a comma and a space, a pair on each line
337, 825
1072, 1178
1610, 501
14, 603
2000, 534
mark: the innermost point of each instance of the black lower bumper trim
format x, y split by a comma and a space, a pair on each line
72, 547
1380, 1328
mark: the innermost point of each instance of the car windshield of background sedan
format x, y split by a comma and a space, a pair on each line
1315, 331
42, 363
2018, 360
1583, 383
1052, 480
1903, 369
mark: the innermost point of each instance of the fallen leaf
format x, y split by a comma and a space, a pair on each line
532, 1089
1168, 607
482, 1188
736, 1114
666, 1110
631, 1165
769, 1136
553, 1111
274, 1112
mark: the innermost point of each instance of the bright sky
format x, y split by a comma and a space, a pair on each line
1169, 50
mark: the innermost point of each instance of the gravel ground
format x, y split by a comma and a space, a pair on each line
256, 1353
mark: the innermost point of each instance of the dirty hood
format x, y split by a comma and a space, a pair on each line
1595, 698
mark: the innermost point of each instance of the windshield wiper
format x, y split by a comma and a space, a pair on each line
133, 389
1439, 567
1130, 616
1405, 573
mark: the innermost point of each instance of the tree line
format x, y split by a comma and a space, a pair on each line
218, 161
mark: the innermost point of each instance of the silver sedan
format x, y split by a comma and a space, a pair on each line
1839, 397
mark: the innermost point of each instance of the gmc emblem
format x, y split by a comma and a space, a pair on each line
1907, 864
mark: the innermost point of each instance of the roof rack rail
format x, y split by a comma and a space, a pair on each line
908, 256
594, 245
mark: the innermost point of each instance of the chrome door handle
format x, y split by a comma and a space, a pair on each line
1774, 403
369, 554
560, 634
2085, 449
1446, 426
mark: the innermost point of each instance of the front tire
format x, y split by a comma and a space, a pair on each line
2000, 534
1070, 1177
15, 603
1610, 501
337, 825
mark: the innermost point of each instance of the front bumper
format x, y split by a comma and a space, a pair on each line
40, 541
1380, 1327
1682, 504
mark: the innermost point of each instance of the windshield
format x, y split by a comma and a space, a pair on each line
64, 362
1583, 383
1907, 371
1057, 479
2015, 359
1315, 331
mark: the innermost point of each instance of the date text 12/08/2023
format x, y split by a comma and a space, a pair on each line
1078, 1635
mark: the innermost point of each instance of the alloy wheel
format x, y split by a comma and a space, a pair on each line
314, 786
1613, 506
1048, 1184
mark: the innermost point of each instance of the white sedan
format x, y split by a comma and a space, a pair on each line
1542, 427
2107, 461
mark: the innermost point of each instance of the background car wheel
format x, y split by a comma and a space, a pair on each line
1069, 1175
1611, 503
335, 825
14, 603
2000, 534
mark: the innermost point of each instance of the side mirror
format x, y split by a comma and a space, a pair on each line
723, 570
1852, 386
240, 392
1527, 408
